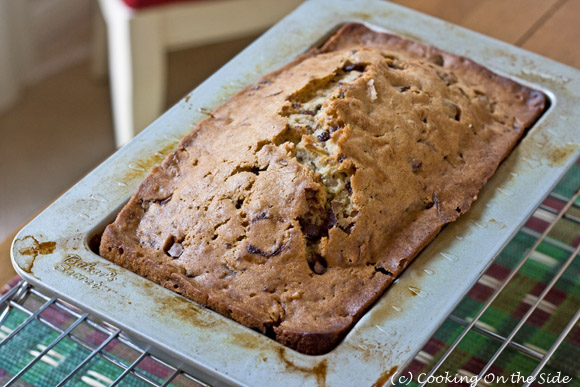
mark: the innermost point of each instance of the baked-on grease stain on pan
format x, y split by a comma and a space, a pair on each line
558, 156
415, 291
385, 376
496, 224
173, 306
318, 371
399, 299
34, 250
140, 167
246, 340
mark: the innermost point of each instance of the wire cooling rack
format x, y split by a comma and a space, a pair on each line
521, 313
45, 341
52, 343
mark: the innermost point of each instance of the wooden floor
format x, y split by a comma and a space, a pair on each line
547, 27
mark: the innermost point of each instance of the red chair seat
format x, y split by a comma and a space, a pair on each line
147, 3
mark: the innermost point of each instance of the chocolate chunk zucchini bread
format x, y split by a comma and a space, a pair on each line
294, 206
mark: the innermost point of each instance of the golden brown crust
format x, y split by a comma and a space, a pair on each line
295, 205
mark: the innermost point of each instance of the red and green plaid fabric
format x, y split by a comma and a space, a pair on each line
541, 329
17, 352
471, 355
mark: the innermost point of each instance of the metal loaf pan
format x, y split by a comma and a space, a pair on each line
53, 251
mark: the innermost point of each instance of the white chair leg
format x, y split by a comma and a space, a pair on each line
136, 67
117, 19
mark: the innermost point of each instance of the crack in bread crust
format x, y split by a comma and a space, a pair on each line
296, 203
309, 114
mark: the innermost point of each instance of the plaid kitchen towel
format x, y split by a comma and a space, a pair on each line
101, 371
542, 328
66, 355
536, 336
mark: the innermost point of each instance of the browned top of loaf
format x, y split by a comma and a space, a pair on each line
298, 201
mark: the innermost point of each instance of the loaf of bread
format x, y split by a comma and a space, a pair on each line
297, 202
